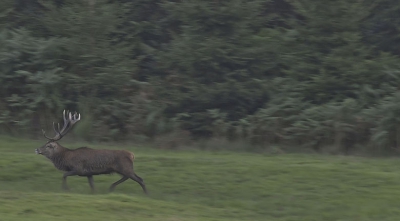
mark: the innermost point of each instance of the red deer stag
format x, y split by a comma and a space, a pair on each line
86, 161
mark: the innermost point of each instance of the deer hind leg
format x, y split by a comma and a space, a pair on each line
123, 179
139, 180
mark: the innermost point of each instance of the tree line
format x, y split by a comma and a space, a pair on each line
302, 73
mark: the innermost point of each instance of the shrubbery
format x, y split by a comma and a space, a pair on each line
291, 72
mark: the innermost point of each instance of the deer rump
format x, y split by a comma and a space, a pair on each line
86, 161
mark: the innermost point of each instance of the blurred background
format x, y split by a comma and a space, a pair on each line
299, 74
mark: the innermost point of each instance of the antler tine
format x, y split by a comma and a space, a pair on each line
60, 132
75, 117
54, 127
44, 134
72, 120
64, 115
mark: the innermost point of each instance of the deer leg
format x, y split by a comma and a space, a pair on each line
112, 187
69, 173
140, 181
140, 178
90, 179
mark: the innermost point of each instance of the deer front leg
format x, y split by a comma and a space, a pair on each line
69, 173
90, 179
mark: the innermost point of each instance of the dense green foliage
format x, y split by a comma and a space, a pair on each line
316, 74
201, 185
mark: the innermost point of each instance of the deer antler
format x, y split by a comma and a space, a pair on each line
68, 124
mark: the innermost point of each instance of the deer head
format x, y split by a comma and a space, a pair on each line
52, 147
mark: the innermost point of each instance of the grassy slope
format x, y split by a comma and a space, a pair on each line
193, 185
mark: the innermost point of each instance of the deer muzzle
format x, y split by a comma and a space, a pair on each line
37, 151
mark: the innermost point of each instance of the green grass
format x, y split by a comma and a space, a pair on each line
198, 185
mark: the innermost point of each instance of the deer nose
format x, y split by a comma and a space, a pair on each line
37, 151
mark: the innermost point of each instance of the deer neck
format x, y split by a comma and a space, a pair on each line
59, 160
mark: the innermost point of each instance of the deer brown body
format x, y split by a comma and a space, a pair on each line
86, 161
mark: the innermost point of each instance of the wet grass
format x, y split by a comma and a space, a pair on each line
200, 185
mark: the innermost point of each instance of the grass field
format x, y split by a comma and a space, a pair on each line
196, 185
